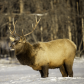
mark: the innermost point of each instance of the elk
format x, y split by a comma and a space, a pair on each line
43, 56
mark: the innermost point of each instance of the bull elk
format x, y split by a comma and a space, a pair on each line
42, 56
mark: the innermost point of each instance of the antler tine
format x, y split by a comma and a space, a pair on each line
23, 35
22, 32
14, 29
34, 27
14, 26
12, 32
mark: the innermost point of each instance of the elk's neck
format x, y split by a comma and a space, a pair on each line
25, 55
28, 48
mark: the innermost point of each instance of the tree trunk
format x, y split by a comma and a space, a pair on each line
10, 20
83, 31
21, 6
69, 30
56, 26
51, 33
41, 34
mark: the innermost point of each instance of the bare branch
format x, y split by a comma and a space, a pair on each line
5, 24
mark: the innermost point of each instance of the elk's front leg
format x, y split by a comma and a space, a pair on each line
44, 71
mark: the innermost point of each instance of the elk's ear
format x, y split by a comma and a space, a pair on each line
12, 39
22, 41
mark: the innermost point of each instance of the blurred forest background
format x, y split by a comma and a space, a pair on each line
59, 19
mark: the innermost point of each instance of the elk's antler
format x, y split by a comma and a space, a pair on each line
12, 32
23, 35
22, 38
34, 27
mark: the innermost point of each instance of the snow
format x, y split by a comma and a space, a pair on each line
19, 74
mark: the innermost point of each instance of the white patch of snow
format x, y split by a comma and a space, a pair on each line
19, 74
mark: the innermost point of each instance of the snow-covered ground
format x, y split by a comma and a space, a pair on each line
19, 74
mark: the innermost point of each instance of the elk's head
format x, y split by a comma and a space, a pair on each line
17, 41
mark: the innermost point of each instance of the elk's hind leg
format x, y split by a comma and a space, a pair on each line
63, 71
69, 69
44, 71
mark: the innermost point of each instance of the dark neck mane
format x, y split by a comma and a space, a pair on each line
25, 56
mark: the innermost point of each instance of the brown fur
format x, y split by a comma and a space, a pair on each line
48, 55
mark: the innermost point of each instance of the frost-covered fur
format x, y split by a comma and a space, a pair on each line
48, 55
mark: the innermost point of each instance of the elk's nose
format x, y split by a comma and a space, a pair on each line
12, 44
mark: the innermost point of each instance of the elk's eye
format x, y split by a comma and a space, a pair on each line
16, 42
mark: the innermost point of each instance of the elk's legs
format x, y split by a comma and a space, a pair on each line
69, 70
68, 65
44, 71
63, 71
